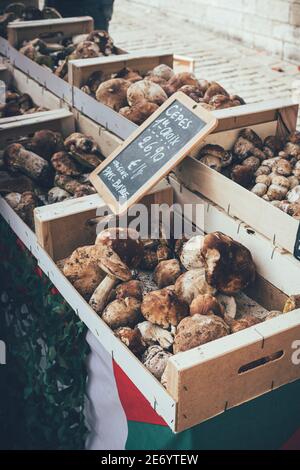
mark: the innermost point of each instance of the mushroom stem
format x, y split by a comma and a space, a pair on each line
101, 294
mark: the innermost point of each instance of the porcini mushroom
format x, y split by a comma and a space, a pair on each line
155, 360
152, 334
121, 250
197, 330
229, 266
145, 90
166, 273
206, 304
191, 284
163, 307
132, 338
190, 253
122, 312
113, 93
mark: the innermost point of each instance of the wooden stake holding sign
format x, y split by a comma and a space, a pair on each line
152, 151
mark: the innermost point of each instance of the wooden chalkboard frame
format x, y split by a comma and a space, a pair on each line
196, 108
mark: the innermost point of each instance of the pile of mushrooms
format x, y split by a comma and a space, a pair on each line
56, 55
17, 103
160, 297
136, 96
18, 11
45, 168
269, 168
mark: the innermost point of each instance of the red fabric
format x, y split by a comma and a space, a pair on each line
293, 443
135, 405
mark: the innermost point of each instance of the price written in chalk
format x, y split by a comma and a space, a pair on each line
152, 151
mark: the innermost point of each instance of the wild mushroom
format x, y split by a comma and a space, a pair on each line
292, 303
152, 334
229, 266
193, 92
63, 164
248, 144
242, 323
84, 149
163, 307
113, 93
122, 312
46, 142
10, 183
121, 250
132, 338
243, 175
68, 184
229, 305
166, 273
25, 207
128, 74
133, 288
145, 90
197, 330
155, 250
17, 158
191, 284
214, 152
162, 71
190, 253
214, 89
179, 80
83, 269
155, 360
57, 195
139, 112
294, 194
259, 189
206, 304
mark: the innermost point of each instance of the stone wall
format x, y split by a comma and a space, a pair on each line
272, 25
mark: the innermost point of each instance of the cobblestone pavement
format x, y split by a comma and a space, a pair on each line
250, 73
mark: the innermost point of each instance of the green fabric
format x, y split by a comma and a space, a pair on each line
263, 424
42, 386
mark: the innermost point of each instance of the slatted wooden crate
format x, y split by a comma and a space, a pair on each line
208, 380
13, 77
278, 117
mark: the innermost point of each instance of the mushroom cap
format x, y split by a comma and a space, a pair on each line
192, 91
206, 304
46, 142
197, 330
122, 312
146, 90
191, 284
294, 194
229, 305
113, 93
214, 89
190, 255
63, 163
155, 360
216, 151
81, 143
139, 112
121, 250
179, 80
163, 72
132, 338
83, 270
163, 307
128, 74
243, 175
86, 50
229, 266
154, 252
131, 288
166, 273
292, 303
243, 323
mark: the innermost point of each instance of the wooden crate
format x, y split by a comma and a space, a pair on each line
22, 83
49, 30
81, 70
208, 380
278, 117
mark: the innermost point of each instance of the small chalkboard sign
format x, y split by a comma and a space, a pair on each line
152, 151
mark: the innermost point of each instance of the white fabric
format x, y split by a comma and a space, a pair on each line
105, 416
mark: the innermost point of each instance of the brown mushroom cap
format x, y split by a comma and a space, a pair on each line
121, 251
122, 312
179, 80
192, 91
191, 284
155, 360
206, 304
242, 323
127, 74
197, 330
146, 90
139, 112
131, 288
214, 89
243, 175
113, 93
229, 266
46, 142
132, 338
162, 71
166, 273
63, 163
163, 308
154, 252
83, 270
